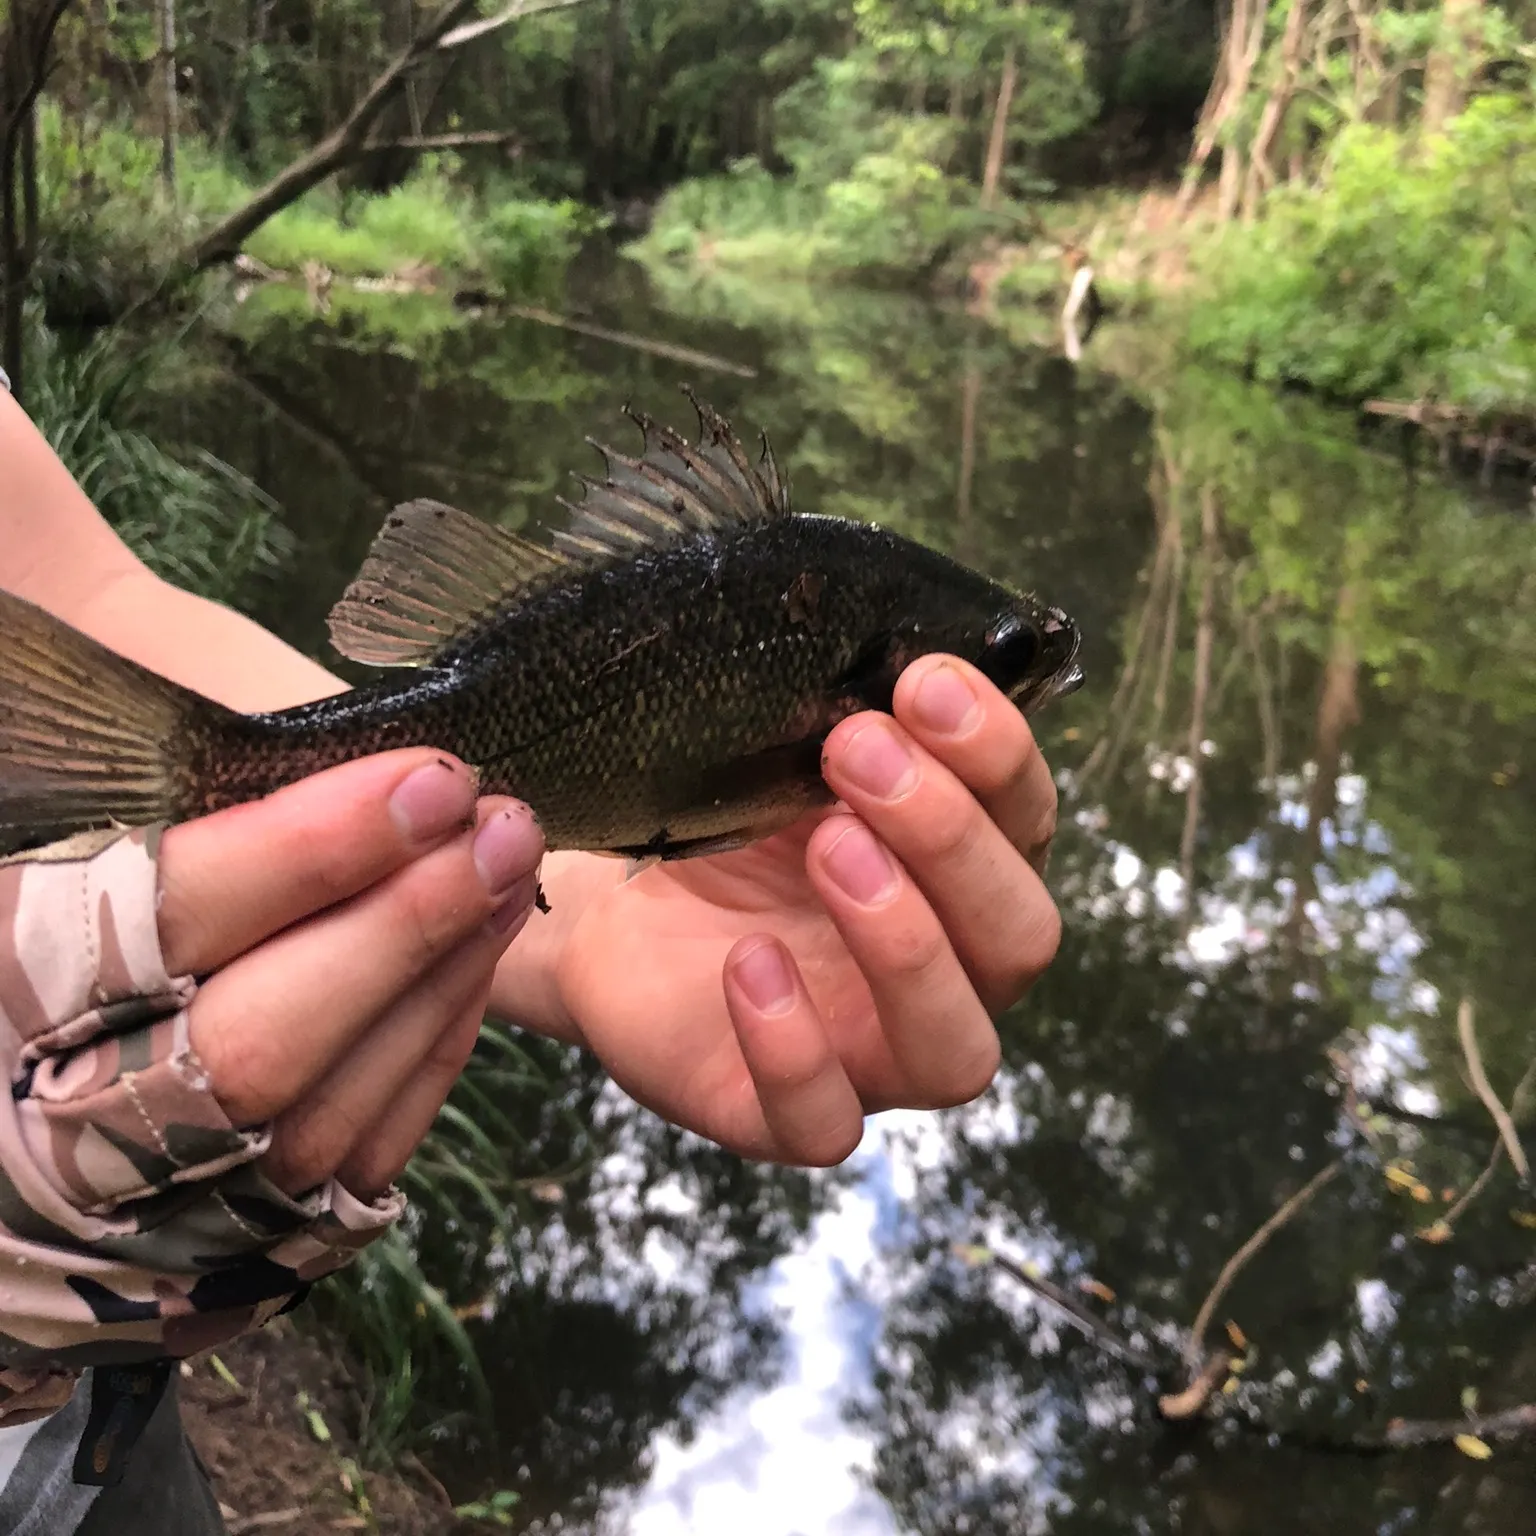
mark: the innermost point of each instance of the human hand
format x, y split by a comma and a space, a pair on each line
771, 997
348, 926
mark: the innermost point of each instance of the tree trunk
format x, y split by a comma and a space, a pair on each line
970, 395
1204, 630
1445, 74
1261, 175
29, 185
1338, 710
168, 113
997, 142
23, 60
1242, 41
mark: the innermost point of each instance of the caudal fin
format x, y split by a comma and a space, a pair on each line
87, 738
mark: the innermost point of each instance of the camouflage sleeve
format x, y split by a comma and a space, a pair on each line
134, 1223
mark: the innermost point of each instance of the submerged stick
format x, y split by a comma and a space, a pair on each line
1094, 1327
1484, 1089
1234, 1266
667, 349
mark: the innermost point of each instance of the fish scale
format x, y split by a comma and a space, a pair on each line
656, 680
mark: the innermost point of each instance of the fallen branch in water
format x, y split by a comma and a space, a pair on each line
1194, 1350
1094, 1327
1189, 1402
1507, 1424
1484, 1090
667, 349
426, 141
1443, 1228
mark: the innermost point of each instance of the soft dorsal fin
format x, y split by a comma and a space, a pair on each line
434, 572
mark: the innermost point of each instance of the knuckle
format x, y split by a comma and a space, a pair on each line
836, 1145
309, 1149
250, 1080
798, 1073
915, 948
1023, 962
951, 831
330, 871
972, 1075
429, 917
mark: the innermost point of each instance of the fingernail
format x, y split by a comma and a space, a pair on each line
764, 976
507, 849
435, 799
944, 700
877, 762
860, 867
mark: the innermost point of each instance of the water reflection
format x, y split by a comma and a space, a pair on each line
1297, 833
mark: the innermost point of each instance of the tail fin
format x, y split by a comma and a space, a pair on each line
87, 738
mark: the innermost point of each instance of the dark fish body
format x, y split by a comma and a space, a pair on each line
657, 680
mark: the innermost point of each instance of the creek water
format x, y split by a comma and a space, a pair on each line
1297, 831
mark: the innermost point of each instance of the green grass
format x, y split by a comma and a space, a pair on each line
111, 240
190, 516
425, 220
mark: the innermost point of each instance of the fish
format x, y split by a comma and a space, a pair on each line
656, 679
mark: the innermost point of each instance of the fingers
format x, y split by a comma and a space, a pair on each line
933, 1022
230, 880
812, 1115
270, 1024
381, 1154
987, 901
349, 1117
959, 716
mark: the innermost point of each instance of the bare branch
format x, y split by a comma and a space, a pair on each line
1094, 1327
1507, 1424
1194, 1349
427, 141
515, 12
689, 355
1186, 1404
346, 141
1501, 1118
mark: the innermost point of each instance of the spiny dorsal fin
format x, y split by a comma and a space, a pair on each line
434, 573
675, 488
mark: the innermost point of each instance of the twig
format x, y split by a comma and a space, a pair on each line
1193, 1350
1480, 1183
667, 349
1505, 1424
422, 141
515, 12
1477, 1186
1095, 1327
1399, 1435
1189, 1402
1480, 1083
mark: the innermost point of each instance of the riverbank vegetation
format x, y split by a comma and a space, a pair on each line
1327, 194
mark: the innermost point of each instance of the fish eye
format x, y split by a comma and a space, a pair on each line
1011, 650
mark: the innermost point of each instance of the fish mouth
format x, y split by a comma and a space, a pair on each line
1064, 677
1068, 680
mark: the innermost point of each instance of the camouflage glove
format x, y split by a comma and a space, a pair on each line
133, 1222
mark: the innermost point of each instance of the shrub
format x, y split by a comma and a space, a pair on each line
1410, 270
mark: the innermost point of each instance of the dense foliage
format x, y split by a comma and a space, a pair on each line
1404, 272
